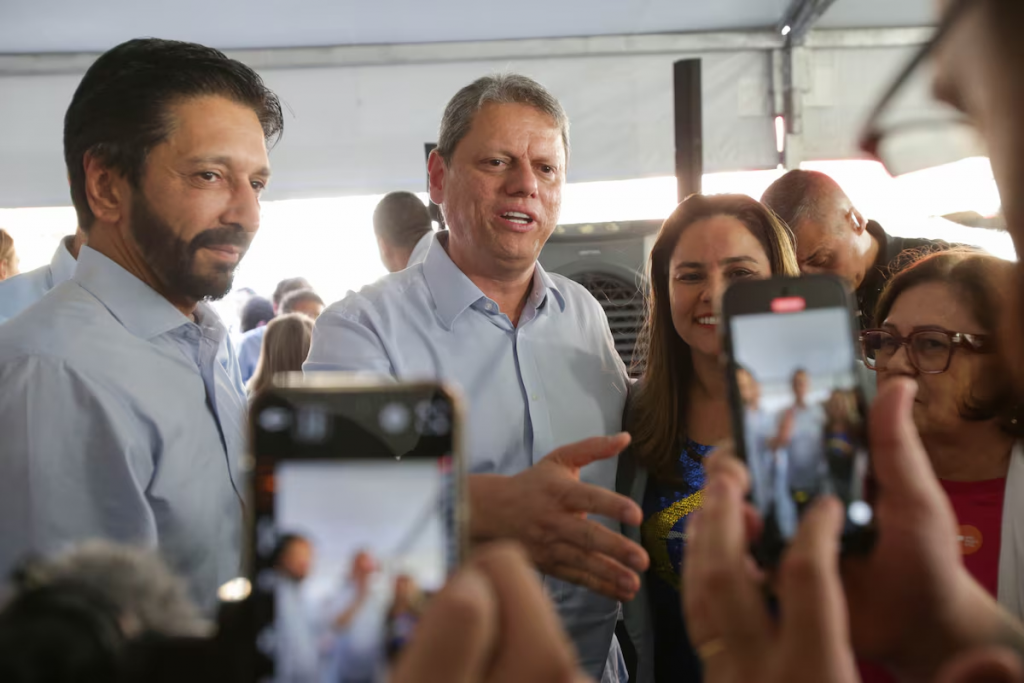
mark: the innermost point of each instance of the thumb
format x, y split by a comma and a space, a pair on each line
455, 640
582, 453
898, 458
814, 613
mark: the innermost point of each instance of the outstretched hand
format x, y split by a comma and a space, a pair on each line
545, 508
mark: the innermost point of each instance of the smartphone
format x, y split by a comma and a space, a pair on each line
356, 517
797, 403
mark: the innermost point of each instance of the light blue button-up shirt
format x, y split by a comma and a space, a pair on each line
419, 252
551, 381
21, 291
121, 418
249, 349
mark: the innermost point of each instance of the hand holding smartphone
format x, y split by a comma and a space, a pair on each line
356, 519
798, 409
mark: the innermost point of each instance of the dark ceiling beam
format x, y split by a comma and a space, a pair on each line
801, 17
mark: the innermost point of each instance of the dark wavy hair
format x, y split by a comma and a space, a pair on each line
982, 281
119, 112
658, 407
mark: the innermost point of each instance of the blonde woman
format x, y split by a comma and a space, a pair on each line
8, 257
285, 347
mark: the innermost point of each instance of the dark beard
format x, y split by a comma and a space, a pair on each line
173, 260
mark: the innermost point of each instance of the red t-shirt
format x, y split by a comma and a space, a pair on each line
978, 506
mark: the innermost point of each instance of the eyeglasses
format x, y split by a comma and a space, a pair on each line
929, 351
909, 131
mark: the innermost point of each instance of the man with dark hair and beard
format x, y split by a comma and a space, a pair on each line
122, 412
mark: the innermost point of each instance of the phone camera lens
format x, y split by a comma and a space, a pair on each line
312, 425
275, 419
394, 418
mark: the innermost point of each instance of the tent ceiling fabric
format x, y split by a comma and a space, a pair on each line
360, 128
42, 26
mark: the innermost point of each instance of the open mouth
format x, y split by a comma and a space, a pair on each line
518, 219
708, 321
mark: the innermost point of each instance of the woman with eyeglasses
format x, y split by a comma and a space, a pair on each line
938, 326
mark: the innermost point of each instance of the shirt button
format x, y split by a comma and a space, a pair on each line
489, 307
535, 397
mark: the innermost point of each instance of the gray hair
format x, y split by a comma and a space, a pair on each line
149, 597
499, 89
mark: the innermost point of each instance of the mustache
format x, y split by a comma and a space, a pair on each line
232, 235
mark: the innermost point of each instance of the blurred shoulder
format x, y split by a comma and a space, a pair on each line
396, 290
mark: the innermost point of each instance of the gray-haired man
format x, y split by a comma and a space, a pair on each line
531, 351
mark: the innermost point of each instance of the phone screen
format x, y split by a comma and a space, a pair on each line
355, 527
796, 391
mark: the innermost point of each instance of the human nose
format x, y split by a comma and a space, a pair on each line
244, 208
522, 181
900, 363
713, 290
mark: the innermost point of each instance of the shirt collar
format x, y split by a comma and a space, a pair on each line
62, 265
453, 292
875, 276
135, 304
544, 283
419, 252
883, 239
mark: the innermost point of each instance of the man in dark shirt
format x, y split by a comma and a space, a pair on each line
833, 237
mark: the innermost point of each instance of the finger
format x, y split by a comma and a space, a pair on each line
594, 500
595, 572
593, 537
533, 644
814, 615
695, 609
898, 458
725, 463
582, 453
984, 665
752, 523
456, 638
732, 600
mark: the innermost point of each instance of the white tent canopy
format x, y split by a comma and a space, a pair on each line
360, 110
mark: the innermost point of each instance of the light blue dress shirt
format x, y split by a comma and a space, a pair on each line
419, 252
296, 659
551, 381
21, 291
121, 418
249, 350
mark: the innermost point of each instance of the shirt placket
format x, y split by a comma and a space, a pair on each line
205, 355
537, 408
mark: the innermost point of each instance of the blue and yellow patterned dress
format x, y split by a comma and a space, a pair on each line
666, 511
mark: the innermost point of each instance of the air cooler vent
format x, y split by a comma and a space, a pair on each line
623, 303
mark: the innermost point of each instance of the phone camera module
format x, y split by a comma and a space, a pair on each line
394, 418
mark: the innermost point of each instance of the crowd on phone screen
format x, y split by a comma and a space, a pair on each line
123, 411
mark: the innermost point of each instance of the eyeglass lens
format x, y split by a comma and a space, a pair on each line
929, 351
